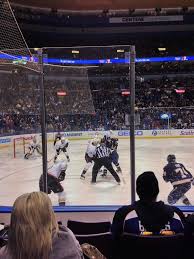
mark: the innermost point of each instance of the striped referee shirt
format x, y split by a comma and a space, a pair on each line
102, 151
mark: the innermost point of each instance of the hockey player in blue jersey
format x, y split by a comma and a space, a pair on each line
180, 178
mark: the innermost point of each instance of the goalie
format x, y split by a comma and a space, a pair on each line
32, 147
56, 174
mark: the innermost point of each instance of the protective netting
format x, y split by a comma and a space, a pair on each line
19, 100
67, 90
78, 80
13, 47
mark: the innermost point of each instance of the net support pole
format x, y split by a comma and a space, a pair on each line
43, 121
132, 119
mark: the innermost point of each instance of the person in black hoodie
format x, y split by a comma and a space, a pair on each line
146, 214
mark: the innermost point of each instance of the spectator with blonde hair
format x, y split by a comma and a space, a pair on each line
34, 232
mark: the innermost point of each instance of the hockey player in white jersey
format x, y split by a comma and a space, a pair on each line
58, 137
108, 134
90, 152
56, 174
32, 147
61, 146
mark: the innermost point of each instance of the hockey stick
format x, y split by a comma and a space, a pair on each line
122, 177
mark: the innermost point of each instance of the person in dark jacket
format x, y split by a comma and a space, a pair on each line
147, 214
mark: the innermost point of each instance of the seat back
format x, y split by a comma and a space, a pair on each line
4, 236
86, 228
158, 247
101, 241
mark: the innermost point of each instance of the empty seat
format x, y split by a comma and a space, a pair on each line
102, 241
86, 228
159, 247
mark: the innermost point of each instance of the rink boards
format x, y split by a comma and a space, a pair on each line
121, 134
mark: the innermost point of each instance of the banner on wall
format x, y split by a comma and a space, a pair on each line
187, 132
146, 19
85, 135
5, 140
162, 132
126, 133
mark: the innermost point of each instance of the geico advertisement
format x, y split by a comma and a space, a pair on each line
126, 133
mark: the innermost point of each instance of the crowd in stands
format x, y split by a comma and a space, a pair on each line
93, 99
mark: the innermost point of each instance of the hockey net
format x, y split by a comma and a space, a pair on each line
20, 146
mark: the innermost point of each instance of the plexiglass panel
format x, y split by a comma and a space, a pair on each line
164, 119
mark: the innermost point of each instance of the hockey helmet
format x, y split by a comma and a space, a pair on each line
34, 139
95, 141
63, 165
63, 139
171, 158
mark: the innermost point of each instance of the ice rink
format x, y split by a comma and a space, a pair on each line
18, 176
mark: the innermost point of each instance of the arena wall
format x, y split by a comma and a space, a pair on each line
81, 213
121, 134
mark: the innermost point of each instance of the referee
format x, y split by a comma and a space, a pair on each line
102, 158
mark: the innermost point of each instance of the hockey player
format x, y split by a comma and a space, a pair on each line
180, 178
89, 155
108, 135
58, 137
34, 145
56, 174
61, 146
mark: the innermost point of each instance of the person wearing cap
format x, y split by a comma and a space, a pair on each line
180, 178
147, 215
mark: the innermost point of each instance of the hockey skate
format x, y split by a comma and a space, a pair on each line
27, 155
104, 174
62, 203
119, 171
82, 176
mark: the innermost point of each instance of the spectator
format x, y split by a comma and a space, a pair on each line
146, 214
34, 232
95, 101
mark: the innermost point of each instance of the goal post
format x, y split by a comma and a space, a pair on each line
20, 145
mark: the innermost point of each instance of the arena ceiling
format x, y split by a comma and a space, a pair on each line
104, 4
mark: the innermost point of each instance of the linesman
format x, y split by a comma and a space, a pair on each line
102, 158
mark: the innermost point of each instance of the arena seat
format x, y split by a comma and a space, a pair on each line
3, 242
86, 228
152, 247
4, 236
102, 241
